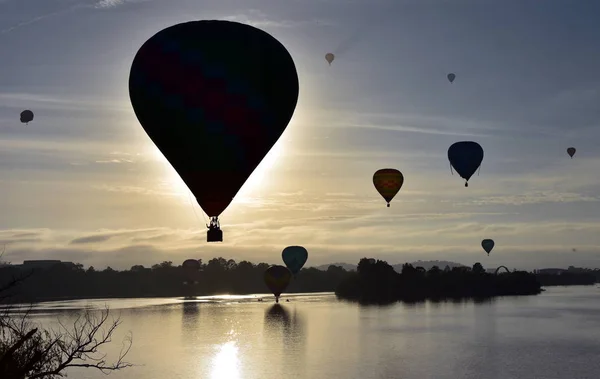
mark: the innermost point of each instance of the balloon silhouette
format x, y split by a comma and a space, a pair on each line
571, 151
388, 182
191, 268
214, 97
465, 157
487, 245
26, 116
451, 77
329, 58
294, 258
277, 279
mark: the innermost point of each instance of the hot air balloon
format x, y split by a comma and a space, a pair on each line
191, 268
451, 77
465, 157
388, 182
277, 279
329, 58
487, 245
214, 96
571, 151
26, 116
294, 258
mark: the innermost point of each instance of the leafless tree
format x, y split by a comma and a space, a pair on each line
29, 352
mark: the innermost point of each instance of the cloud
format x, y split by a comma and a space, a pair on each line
90, 239
107, 4
537, 197
54, 102
259, 19
328, 240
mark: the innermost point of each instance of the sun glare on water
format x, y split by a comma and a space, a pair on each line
225, 364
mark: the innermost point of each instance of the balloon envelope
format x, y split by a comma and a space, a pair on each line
571, 151
465, 157
277, 279
26, 116
451, 77
214, 96
294, 258
388, 182
329, 57
487, 245
191, 264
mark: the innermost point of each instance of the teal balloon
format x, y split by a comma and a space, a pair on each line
294, 258
487, 245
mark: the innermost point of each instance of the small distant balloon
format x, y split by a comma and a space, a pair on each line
574, 250
465, 157
571, 151
487, 245
26, 116
451, 77
329, 58
294, 258
277, 278
388, 182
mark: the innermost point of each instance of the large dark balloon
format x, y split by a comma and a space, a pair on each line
294, 258
465, 157
214, 96
277, 279
26, 116
451, 77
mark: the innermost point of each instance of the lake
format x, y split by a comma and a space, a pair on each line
552, 335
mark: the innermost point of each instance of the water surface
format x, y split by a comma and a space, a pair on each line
555, 335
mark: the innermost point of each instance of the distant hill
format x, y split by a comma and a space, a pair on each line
345, 266
398, 267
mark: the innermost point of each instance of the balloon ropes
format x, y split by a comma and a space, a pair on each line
214, 97
504, 267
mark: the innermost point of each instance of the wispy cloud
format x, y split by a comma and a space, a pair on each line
40, 101
260, 19
106, 4
538, 197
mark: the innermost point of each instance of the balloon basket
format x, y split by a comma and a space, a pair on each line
215, 235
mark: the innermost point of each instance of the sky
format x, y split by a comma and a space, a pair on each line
83, 182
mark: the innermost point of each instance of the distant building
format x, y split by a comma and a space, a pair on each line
551, 271
42, 264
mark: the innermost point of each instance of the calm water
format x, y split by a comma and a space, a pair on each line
553, 335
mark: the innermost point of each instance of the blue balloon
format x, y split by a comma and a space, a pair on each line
294, 258
465, 157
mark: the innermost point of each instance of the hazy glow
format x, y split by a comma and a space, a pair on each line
84, 183
225, 363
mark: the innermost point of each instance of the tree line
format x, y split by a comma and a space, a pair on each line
378, 282
217, 276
